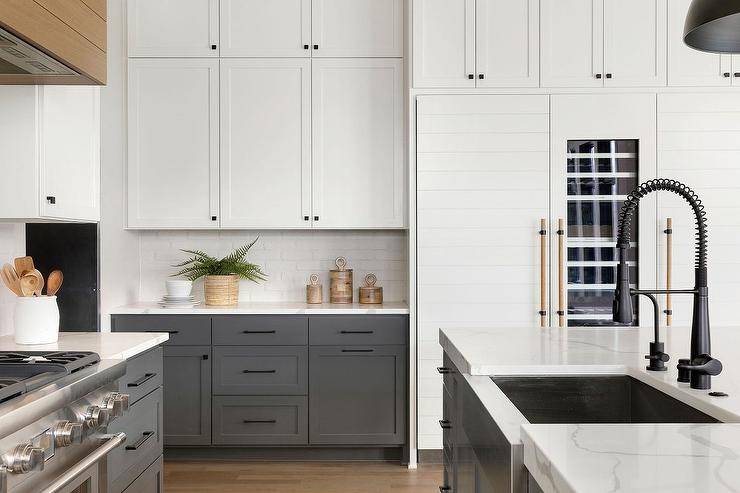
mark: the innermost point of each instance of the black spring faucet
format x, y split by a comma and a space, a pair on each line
701, 366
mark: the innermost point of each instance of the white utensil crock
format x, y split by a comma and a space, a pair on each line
36, 320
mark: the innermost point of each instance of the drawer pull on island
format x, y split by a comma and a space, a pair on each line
442, 370
260, 421
259, 332
358, 350
144, 437
357, 332
259, 371
445, 424
142, 380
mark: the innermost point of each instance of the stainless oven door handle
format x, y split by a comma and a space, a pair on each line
112, 441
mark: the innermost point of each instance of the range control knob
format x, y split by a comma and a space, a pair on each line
97, 417
27, 458
66, 433
116, 404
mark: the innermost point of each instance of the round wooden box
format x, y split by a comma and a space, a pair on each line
370, 294
341, 286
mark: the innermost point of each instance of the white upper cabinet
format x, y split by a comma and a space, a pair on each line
571, 44
173, 143
596, 43
358, 163
173, 28
357, 28
635, 43
476, 43
50, 153
259, 28
444, 43
265, 143
70, 153
687, 66
507, 43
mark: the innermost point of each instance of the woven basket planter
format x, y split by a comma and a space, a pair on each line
222, 290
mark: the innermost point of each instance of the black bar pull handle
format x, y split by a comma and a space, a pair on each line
357, 332
445, 489
259, 421
358, 350
443, 370
445, 424
144, 437
142, 380
259, 371
259, 332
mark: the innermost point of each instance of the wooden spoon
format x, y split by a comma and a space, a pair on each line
54, 282
40, 277
10, 279
23, 265
29, 284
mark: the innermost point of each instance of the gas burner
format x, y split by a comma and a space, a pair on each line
70, 360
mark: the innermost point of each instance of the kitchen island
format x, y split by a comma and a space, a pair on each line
562, 457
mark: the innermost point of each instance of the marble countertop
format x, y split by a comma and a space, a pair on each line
288, 308
109, 346
607, 457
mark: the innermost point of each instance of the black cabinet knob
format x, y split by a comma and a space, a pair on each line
213, 47
51, 200
316, 218
481, 76
726, 75
306, 218
315, 47
305, 47
214, 218
598, 76
471, 76
608, 76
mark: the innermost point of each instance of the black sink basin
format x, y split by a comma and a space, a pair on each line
595, 399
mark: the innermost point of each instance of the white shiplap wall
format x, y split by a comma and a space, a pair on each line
482, 186
699, 145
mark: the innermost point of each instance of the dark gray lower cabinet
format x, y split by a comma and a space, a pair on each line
187, 395
150, 481
357, 395
260, 370
260, 420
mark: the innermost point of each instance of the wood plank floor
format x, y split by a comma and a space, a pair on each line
299, 477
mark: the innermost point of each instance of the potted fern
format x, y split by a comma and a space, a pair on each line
221, 275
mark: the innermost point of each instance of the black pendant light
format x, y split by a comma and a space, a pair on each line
713, 26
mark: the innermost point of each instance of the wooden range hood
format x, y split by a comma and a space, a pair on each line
72, 32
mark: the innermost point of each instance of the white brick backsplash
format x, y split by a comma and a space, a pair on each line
12, 244
288, 257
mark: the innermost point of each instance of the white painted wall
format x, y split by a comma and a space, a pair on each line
12, 244
119, 249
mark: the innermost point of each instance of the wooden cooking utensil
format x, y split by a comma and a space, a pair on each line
23, 265
54, 282
40, 277
29, 284
10, 279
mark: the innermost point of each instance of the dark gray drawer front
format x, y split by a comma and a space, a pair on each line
260, 420
342, 330
258, 330
143, 428
261, 370
184, 330
151, 480
143, 375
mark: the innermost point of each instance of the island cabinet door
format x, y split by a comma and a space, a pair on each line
357, 395
187, 392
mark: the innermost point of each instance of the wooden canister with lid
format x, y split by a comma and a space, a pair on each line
314, 291
340, 283
370, 294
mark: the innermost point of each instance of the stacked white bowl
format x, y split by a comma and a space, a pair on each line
178, 294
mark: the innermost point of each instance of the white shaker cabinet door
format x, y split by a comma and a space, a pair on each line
572, 43
357, 28
635, 43
172, 28
687, 66
358, 164
265, 28
444, 43
265, 143
69, 155
507, 46
173, 143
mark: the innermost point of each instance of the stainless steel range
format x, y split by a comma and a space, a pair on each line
54, 411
